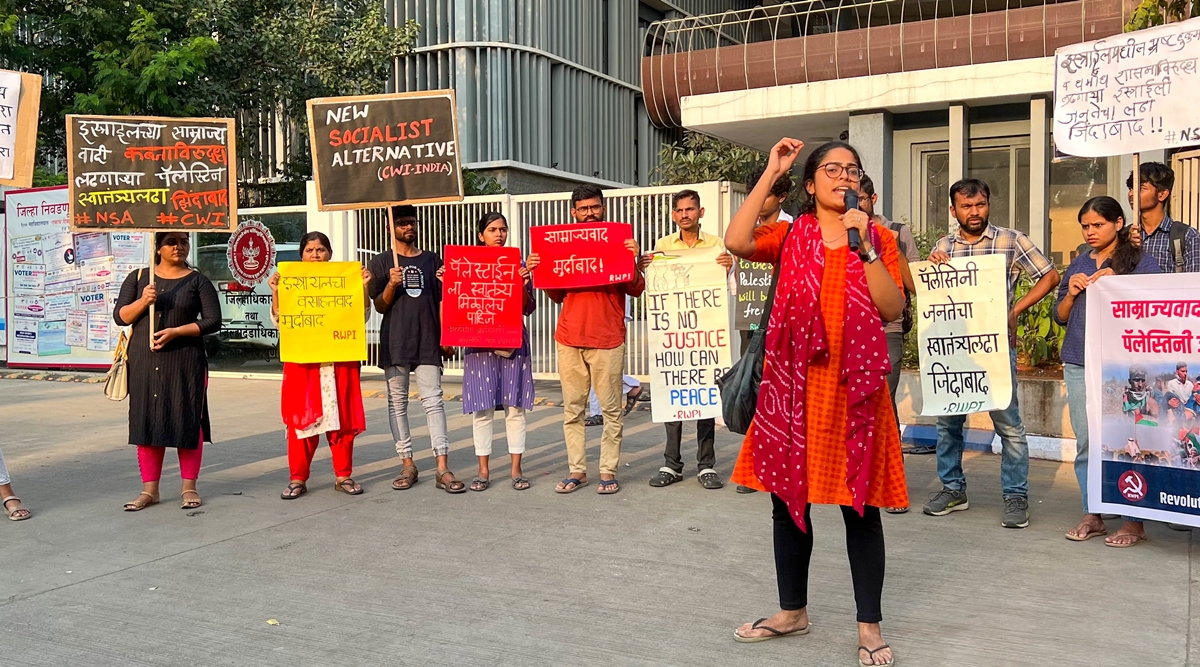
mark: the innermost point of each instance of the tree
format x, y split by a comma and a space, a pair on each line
475, 184
699, 158
1160, 12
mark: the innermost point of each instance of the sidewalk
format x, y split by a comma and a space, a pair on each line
646, 577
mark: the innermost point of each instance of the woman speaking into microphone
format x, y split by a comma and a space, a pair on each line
823, 431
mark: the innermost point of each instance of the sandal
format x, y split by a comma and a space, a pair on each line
896, 510
709, 479
18, 514
190, 504
135, 506
571, 485
1091, 532
631, 400
775, 634
449, 487
408, 477
294, 490
353, 489
480, 484
520, 484
607, 487
594, 420
1139, 539
871, 655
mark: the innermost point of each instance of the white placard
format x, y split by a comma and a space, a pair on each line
29, 279
962, 335
1133, 92
10, 96
77, 328
98, 339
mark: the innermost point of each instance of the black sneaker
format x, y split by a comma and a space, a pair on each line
946, 501
665, 477
709, 479
1016, 512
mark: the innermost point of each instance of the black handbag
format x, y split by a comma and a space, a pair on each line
739, 385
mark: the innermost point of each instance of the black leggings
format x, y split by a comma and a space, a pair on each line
864, 546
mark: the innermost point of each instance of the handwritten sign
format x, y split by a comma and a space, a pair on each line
581, 255
1132, 92
1142, 362
134, 172
687, 303
20, 101
962, 335
482, 297
377, 150
321, 307
753, 284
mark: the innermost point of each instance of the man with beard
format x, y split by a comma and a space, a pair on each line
405, 289
590, 342
976, 236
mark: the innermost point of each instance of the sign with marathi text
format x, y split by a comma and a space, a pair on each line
583, 254
20, 102
1142, 368
321, 306
371, 151
165, 174
1137, 91
687, 304
483, 299
962, 335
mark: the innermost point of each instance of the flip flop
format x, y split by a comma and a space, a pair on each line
607, 487
1134, 543
775, 634
579, 484
294, 491
1087, 536
871, 654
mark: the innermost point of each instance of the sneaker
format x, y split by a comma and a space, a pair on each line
1016, 512
665, 477
946, 501
709, 479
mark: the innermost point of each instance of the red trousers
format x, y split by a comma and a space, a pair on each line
301, 451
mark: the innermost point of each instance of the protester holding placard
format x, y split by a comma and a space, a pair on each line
969, 204
590, 338
824, 431
687, 213
1112, 253
499, 379
1173, 245
320, 398
168, 380
406, 290
13, 508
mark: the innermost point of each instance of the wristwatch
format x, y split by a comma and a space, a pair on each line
869, 256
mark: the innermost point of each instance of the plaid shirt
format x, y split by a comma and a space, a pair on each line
1019, 252
1158, 246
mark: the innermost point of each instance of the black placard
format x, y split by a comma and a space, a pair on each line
377, 150
753, 283
138, 172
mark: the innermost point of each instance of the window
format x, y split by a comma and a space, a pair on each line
1072, 182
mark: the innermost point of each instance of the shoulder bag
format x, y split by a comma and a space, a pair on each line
116, 382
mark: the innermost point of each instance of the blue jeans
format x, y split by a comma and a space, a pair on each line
1014, 461
1077, 409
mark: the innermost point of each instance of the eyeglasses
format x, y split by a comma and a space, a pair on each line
406, 222
594, 208
834, 170
174, 241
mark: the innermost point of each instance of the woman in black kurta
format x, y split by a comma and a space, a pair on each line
168, 380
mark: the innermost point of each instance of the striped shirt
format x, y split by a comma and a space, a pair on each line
1158, 246
1020, 253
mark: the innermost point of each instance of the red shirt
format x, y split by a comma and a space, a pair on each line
594, 317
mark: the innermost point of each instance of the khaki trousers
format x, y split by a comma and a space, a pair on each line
600, 370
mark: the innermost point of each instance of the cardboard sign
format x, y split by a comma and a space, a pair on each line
962, 335
321, 307
687, 304
581, 255
1141, 362
370, 151
20, 102
164, 174
753, 284
482, 297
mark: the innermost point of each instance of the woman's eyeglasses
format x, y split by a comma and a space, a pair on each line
172, 242
834, 170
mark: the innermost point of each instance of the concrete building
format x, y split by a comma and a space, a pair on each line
548, 90
929, 91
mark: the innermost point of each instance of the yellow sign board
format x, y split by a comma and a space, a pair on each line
321, 306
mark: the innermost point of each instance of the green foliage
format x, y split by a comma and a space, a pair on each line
1152, 13
699, 158
1039, 337
476, 184
44, 179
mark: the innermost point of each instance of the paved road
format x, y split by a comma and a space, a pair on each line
646, 577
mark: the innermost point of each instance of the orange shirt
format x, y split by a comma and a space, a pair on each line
594, 317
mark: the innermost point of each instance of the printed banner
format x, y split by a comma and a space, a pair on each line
321, 306
962, 335
581, 254
1142, 366
687, 303
482, 297
370, 151
753, 284
1137, 91
135, 172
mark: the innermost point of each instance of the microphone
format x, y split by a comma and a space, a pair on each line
852, 237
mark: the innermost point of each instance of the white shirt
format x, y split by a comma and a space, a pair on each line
1181, 390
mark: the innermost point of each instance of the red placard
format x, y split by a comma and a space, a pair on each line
482, 297
581, 255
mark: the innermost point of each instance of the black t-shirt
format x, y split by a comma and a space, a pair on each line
411, 331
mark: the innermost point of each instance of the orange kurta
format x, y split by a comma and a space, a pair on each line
826, 424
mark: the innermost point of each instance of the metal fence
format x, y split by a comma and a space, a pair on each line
647, 209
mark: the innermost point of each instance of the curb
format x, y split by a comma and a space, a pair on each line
52, 376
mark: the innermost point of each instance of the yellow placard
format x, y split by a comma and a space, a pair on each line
321, 306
